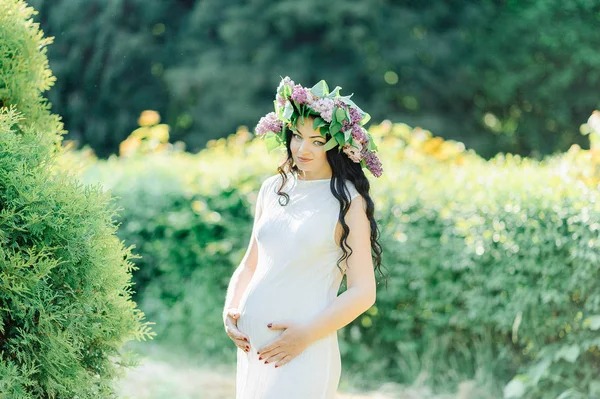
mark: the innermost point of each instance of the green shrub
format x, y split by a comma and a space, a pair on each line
493, 265
65, 290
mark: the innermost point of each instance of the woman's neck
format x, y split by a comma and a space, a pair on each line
313, 176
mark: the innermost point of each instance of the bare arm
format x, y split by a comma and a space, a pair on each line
360, 275
243, 273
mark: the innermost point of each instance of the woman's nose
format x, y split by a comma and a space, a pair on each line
302, 148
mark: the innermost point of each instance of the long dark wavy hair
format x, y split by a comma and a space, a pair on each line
343, 169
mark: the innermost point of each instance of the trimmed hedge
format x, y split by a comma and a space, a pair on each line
492, 265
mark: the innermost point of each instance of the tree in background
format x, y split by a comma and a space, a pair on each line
497, 75
65, 278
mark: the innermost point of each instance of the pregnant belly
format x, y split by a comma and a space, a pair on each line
264, 304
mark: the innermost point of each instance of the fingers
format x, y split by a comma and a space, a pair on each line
273, 356
286, 359
270, 350
243, 345
234, 332
277, 326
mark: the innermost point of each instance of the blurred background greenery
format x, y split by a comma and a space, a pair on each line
489, 224
497, 75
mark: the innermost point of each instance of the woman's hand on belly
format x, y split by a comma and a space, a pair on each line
231, 328
289, 344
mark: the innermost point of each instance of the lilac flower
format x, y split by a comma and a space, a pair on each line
340, 104
346, 125
268, 123
355, 116
324, 106
280, 100
284, 82
353, 153
358, 133
299, 94
373, 163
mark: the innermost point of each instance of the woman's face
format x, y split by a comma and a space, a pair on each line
307, 150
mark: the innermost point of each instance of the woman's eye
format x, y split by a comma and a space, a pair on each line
319, 143
296, 135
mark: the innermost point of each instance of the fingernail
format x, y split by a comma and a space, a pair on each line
247, 347
246, 339
269, 325
266, 362
260, 358
275, 366
258, 353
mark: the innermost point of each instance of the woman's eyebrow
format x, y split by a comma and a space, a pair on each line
311, 137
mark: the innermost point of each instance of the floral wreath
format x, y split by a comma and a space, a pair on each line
333, 114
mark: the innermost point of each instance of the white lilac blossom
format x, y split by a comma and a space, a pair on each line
284, 82
353, 153
324, 107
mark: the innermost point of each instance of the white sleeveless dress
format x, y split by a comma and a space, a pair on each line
295, 279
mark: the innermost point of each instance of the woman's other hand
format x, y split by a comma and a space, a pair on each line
289, 344
238, 338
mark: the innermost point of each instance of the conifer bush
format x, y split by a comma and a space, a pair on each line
65, 278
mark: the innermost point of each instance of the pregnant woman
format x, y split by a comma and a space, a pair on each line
313, 223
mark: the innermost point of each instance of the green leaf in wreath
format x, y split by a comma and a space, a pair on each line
320, 89
335, 92
334, 128
330, 144
348, 136
288, 111
365, 119
318, 122
271, 141
340, 114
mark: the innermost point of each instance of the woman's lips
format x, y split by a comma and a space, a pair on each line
303, 159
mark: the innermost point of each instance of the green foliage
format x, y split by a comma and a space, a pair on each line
190, 217
65, 290
24, 70
499, 76
493, 265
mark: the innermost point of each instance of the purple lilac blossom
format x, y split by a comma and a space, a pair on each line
346, 125
299, 94
268, 123
355, 116
358, 133
373, 163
